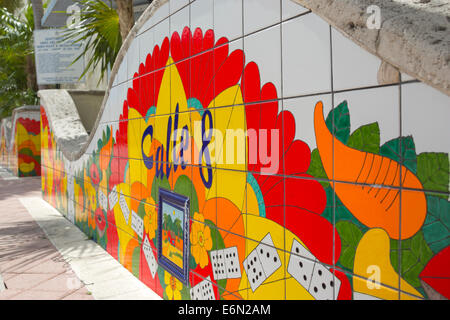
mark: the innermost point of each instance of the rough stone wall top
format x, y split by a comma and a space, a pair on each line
414, 35
64, 120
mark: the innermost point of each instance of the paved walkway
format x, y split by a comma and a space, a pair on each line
45, 257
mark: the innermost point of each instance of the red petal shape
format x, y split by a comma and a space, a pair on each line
314, 230
437, 272
345, 291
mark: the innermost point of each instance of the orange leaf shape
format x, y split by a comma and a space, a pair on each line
372, 206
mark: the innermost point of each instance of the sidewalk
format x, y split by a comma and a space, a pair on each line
45, 257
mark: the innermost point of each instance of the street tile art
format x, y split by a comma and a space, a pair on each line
295, 191
20, 143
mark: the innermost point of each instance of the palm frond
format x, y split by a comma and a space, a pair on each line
98, 30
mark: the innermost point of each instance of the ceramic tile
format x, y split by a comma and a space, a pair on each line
291, 9
161, 31
230, 200
306, 56
264, 48
300, 123
427, 125
123, 70
175, 5
412, 253
259, 14
209, 288
202, 15
311, 280
146, 45
160, 14
224, 13
179, 20
353, 66
376, 113
133, 59
263, 268
366, 289
229, 136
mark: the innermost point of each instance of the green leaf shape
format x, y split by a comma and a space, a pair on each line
135, 261
218, 244
366, 138
341, 118
185, 293
184, 186
436, 229
156, 184
350, 236
415, 255
433, 171
402, 150
316, 168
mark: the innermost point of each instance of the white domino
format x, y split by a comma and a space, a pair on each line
232, 265
268, 255
254, 270
150, 257
203, 290
102, 199
225, 263
301, 264
137, 224
113, 199
124, 208
218, 264
324, 285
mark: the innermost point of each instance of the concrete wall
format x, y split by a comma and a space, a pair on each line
88, 104
318, 180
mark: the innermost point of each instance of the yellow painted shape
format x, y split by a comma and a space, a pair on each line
373, 254
26, 167
228, 184
124, 230
259, 227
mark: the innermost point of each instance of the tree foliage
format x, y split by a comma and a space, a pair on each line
98, 29
17, 73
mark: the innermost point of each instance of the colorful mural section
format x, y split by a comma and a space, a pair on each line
300, 194
20, 148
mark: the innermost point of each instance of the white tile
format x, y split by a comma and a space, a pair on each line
202, 15
133, 59
179, 20
161, 13
426, 116
303, 111
306, 56
264, 48
353, 66
175, 5
228, 19
379, 105
161, 31
146, 45
260, 14
122, 72
290, 9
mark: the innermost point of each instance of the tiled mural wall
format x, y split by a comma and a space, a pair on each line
20, 148
306, 179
